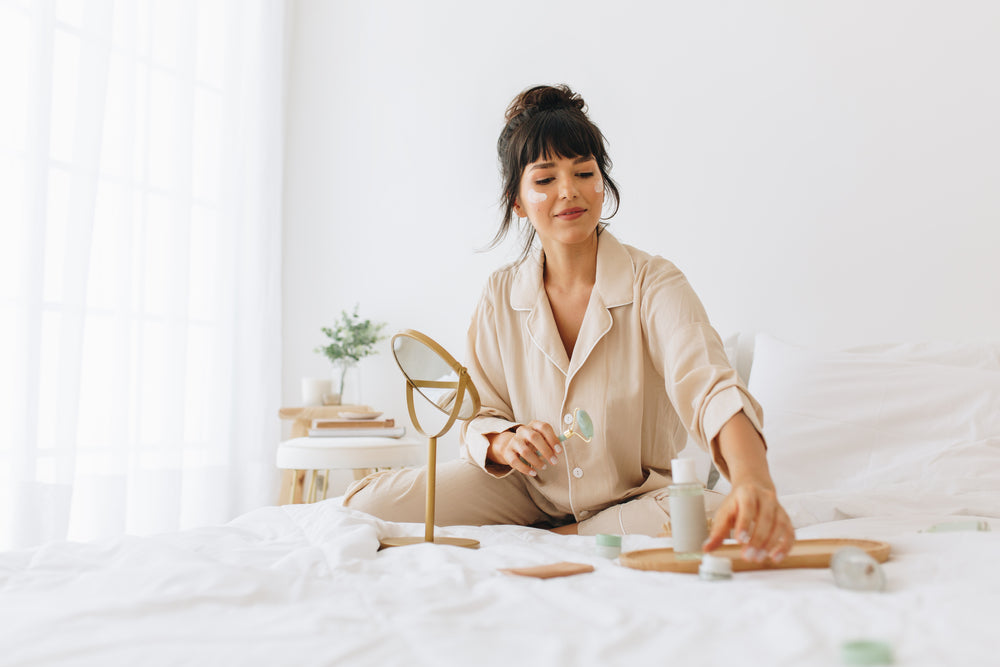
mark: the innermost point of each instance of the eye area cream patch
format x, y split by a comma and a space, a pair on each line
536, 197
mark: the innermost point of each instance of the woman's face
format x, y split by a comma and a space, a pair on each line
563, 198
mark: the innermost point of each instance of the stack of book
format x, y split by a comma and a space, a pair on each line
353, 428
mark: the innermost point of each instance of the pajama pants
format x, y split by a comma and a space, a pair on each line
466, 495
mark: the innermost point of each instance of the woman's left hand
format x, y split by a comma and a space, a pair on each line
757, 521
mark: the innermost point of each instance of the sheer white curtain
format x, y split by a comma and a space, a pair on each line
140, 249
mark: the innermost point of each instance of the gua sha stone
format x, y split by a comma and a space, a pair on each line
854, 569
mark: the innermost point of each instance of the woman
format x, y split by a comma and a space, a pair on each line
587, 322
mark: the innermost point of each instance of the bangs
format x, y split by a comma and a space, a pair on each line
560, 134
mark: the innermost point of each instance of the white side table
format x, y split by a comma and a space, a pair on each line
351, 453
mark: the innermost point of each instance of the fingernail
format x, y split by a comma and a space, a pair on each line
744, 537
544, 467
558, 449
778, 557
532, 473
553, 460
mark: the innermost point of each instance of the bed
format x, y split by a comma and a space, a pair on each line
881, 442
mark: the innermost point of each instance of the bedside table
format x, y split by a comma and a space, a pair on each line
302, 457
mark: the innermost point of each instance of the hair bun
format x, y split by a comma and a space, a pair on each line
543, 98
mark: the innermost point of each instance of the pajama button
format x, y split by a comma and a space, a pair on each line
584, 514
578, 472
568, 419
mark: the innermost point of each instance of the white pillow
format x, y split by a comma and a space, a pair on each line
985, 356
878, 415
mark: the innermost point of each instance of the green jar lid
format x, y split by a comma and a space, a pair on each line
604, 540
866, 652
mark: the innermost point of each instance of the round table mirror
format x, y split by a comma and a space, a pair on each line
434, 373
444, 383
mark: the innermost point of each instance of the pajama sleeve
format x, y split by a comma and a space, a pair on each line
483, 359
701, 384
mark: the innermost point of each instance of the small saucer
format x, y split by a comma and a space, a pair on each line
360, 415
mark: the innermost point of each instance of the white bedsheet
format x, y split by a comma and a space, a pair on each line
306, 585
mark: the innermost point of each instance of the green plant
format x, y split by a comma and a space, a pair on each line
352, 339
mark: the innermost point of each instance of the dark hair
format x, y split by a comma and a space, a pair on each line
541, 122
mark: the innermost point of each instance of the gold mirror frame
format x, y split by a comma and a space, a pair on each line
461, 389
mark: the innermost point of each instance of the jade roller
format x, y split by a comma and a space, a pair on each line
582, 427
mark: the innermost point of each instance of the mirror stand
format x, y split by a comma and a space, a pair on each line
457, 398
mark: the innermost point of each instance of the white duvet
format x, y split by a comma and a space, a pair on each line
878, 442
306, 585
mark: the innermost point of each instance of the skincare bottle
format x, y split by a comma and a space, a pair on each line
688, 521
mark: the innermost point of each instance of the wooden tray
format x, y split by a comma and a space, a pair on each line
804, 553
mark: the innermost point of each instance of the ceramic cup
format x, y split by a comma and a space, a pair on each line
313, 390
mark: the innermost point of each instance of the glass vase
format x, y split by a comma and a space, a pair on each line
347, 381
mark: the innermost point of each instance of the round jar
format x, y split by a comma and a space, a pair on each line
609, 546
715, 568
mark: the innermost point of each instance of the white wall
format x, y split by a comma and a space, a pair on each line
827, 172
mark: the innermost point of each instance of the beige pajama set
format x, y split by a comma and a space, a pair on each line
648, 367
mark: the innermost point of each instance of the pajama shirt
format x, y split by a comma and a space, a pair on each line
647, 366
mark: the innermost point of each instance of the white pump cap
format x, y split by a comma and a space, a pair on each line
683, 471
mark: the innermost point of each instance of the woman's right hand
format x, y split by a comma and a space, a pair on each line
527, 449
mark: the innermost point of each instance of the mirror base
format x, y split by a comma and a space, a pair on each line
407, 541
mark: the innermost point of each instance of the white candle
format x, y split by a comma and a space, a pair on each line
313, 390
